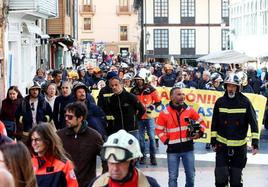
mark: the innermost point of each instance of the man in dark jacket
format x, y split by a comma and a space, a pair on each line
95, 116
32, 110
232, 115
83, 144
61, 101
125, 108
104, 100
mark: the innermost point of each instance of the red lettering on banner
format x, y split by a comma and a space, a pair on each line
190, 97
165, 95
214, 99
207, 124
201, 98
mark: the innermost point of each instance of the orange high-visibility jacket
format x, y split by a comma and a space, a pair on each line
169, 127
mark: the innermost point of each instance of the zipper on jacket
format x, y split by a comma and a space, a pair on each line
121, 113
179, 122
59, 112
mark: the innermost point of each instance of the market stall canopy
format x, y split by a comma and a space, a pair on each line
226, 57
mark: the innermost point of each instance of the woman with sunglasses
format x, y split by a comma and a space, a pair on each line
9, 107
51, 165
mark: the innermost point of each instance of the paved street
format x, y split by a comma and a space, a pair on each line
254, 175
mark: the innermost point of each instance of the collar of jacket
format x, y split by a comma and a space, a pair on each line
82, 129
103, 180
178, 108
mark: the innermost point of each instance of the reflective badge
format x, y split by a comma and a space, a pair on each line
72, 175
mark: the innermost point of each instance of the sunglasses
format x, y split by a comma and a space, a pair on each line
37, 140
68, 116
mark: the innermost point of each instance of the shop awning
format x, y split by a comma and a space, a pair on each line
226, 57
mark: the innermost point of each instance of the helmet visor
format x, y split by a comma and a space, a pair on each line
115, 154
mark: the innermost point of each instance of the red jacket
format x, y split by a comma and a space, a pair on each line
171, 124
148, 96
50, 173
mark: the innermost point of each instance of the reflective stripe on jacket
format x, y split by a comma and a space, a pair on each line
170, 127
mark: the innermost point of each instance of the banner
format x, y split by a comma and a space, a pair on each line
203, 102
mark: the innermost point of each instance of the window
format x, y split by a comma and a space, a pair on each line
68, 7
225, 39
161, 41
225, 8
87, 24
123, 5
188, 11
161, 11
86, 2
188, 41
123, 33
123, 2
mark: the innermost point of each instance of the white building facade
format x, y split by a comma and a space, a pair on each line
249, 26
24, 36
185, 29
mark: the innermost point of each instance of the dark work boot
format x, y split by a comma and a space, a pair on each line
142, 160
153, 160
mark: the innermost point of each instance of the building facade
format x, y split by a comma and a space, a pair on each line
184, 29
24, 38
249, 26
61, 32
113, 23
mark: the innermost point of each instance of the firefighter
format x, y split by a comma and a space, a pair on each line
150, 99
233, 113
173, 130
121, 151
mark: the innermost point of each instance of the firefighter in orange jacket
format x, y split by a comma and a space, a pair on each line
150, 99
173, 128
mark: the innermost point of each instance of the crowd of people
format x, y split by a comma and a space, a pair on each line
53, 135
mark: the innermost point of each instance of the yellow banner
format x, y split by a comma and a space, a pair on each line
203, 102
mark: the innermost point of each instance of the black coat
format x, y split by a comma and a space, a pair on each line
126, 110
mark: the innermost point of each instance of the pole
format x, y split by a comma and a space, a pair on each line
142, 33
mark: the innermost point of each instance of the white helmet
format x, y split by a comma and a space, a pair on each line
216, 77
121, 146
243, 77
232, 78
143, 74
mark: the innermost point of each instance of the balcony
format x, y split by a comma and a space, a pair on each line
38, 8
124, 10
87, 9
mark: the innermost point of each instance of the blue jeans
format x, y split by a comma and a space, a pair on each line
147, 124
173, 168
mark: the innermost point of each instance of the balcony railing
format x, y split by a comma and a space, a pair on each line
38, 8
87, 9
124, 10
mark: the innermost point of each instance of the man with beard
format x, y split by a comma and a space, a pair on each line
173, 130
95, 116
232, 114
83, 144
32, 110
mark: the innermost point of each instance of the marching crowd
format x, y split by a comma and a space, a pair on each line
53, 135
